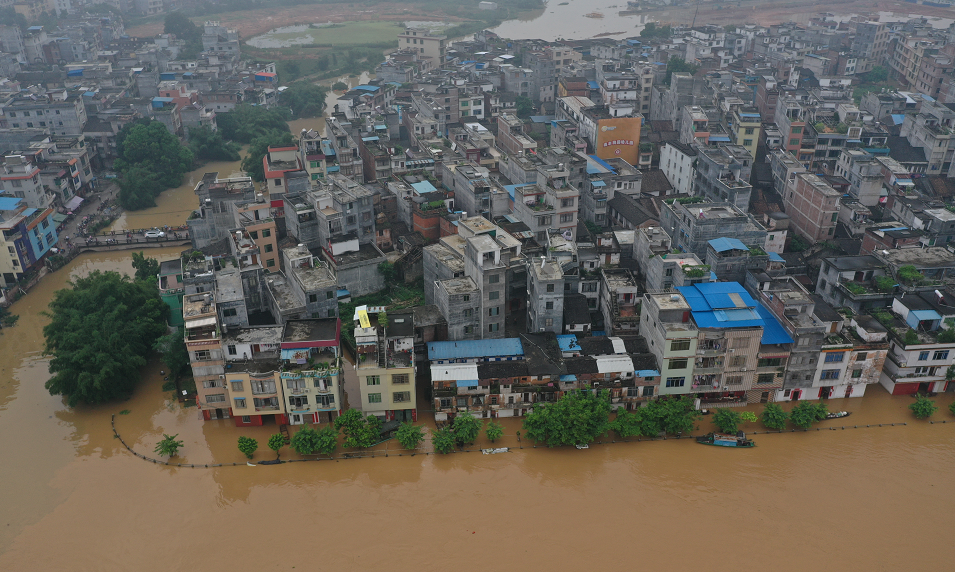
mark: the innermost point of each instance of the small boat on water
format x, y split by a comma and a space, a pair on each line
584, 446
720, 440
838, 414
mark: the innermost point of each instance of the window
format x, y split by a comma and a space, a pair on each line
550, 305
550, 287
331, 313
769, 362
245, 418
861, 356
748, 131
236, 385
468, 329
747, 142
922, 356
796, 130
466, 298
312, 298
856, 373
497, 327
734, 380
648, 391
793, 142
493, 295
263, 386
679, 345
232, 350
835, 357
468, 312
676, 381
829, 374
401, 379
401, 396
678, 364
268, 248
239, 403
495, 311
566, 217
270, 262
266, 233
765, 378
940, 354
494, 278
925, 370
738, 361
203, 355
229, 312
215, 398
374, 398
329, 295
445, 402
373, 380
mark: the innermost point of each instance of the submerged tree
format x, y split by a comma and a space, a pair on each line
727, 420
248, 445
577, 418
774, 417
169, 446
410, 435
443, 440
276, 442
923, 408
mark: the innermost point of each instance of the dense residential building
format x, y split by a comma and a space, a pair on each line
386, 366
813, 207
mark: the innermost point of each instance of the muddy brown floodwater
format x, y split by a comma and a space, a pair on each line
74, 499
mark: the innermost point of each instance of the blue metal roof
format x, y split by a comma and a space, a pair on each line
466, 382
603, 163
712, 296
593, 85
475, 348
598, 184
720, 138
723, 244
775, 257
924, 315
568, 342
773, 332
646, 373
898, 118
541, 118
369, 139
423, 187
9, 203
510, 190
367, 87
570, 377
28, 212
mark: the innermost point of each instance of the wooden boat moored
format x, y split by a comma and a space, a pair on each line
720, 440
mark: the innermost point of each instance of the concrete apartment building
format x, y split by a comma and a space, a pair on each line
871, 41
278, 162
311, 376
932, 130
511, 137
723, 174
545, 296
428, 45
919, 364
204, 345
813, 207
677, 163
385, 368
551, 203
673, 338
864, 174
606, 179
60, 111
745, 129
342, 154
692, 225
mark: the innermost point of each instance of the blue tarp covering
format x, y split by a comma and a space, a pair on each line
423, 187
773, 332
568, 377
541, 118
898, 118
467, 383
9, 203
367, 87
720, 138
332, 169
510, 189
775, 257
369, 139
568, 342
593, 85
716, 295
327, 148
599, 333
723, 244
646, 373
74, 73
475, 349
598, 183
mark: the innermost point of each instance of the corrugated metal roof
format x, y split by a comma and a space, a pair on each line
619, 347
613, 364
453, 371
773, 332
475, 349
423, 187
723, 244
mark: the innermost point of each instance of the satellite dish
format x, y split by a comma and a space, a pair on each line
568, 235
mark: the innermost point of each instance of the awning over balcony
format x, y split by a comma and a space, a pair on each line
201, 322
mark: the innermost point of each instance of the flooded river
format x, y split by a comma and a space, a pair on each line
75, 499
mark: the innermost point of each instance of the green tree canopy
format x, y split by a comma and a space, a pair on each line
359, 431
677, 64
804, 414
209, 145
101, 331
304, 99
577, 418
252, 163
276, 442
466, 428
248, 445
410, 435
183, 28
651, 30
304, 441
443, 440
727, 420
151, 146
327, 440
248, 122
172, 348
923, 407
169, 446
494, 431
524, 107
138, 188
146, 268
774, 417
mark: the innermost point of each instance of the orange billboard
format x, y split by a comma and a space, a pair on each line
619, 137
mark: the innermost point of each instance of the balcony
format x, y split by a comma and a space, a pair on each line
263, 408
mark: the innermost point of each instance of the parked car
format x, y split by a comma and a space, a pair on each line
154, 234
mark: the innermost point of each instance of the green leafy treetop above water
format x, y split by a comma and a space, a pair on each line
101, 331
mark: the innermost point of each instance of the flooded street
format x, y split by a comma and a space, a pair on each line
74, 498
